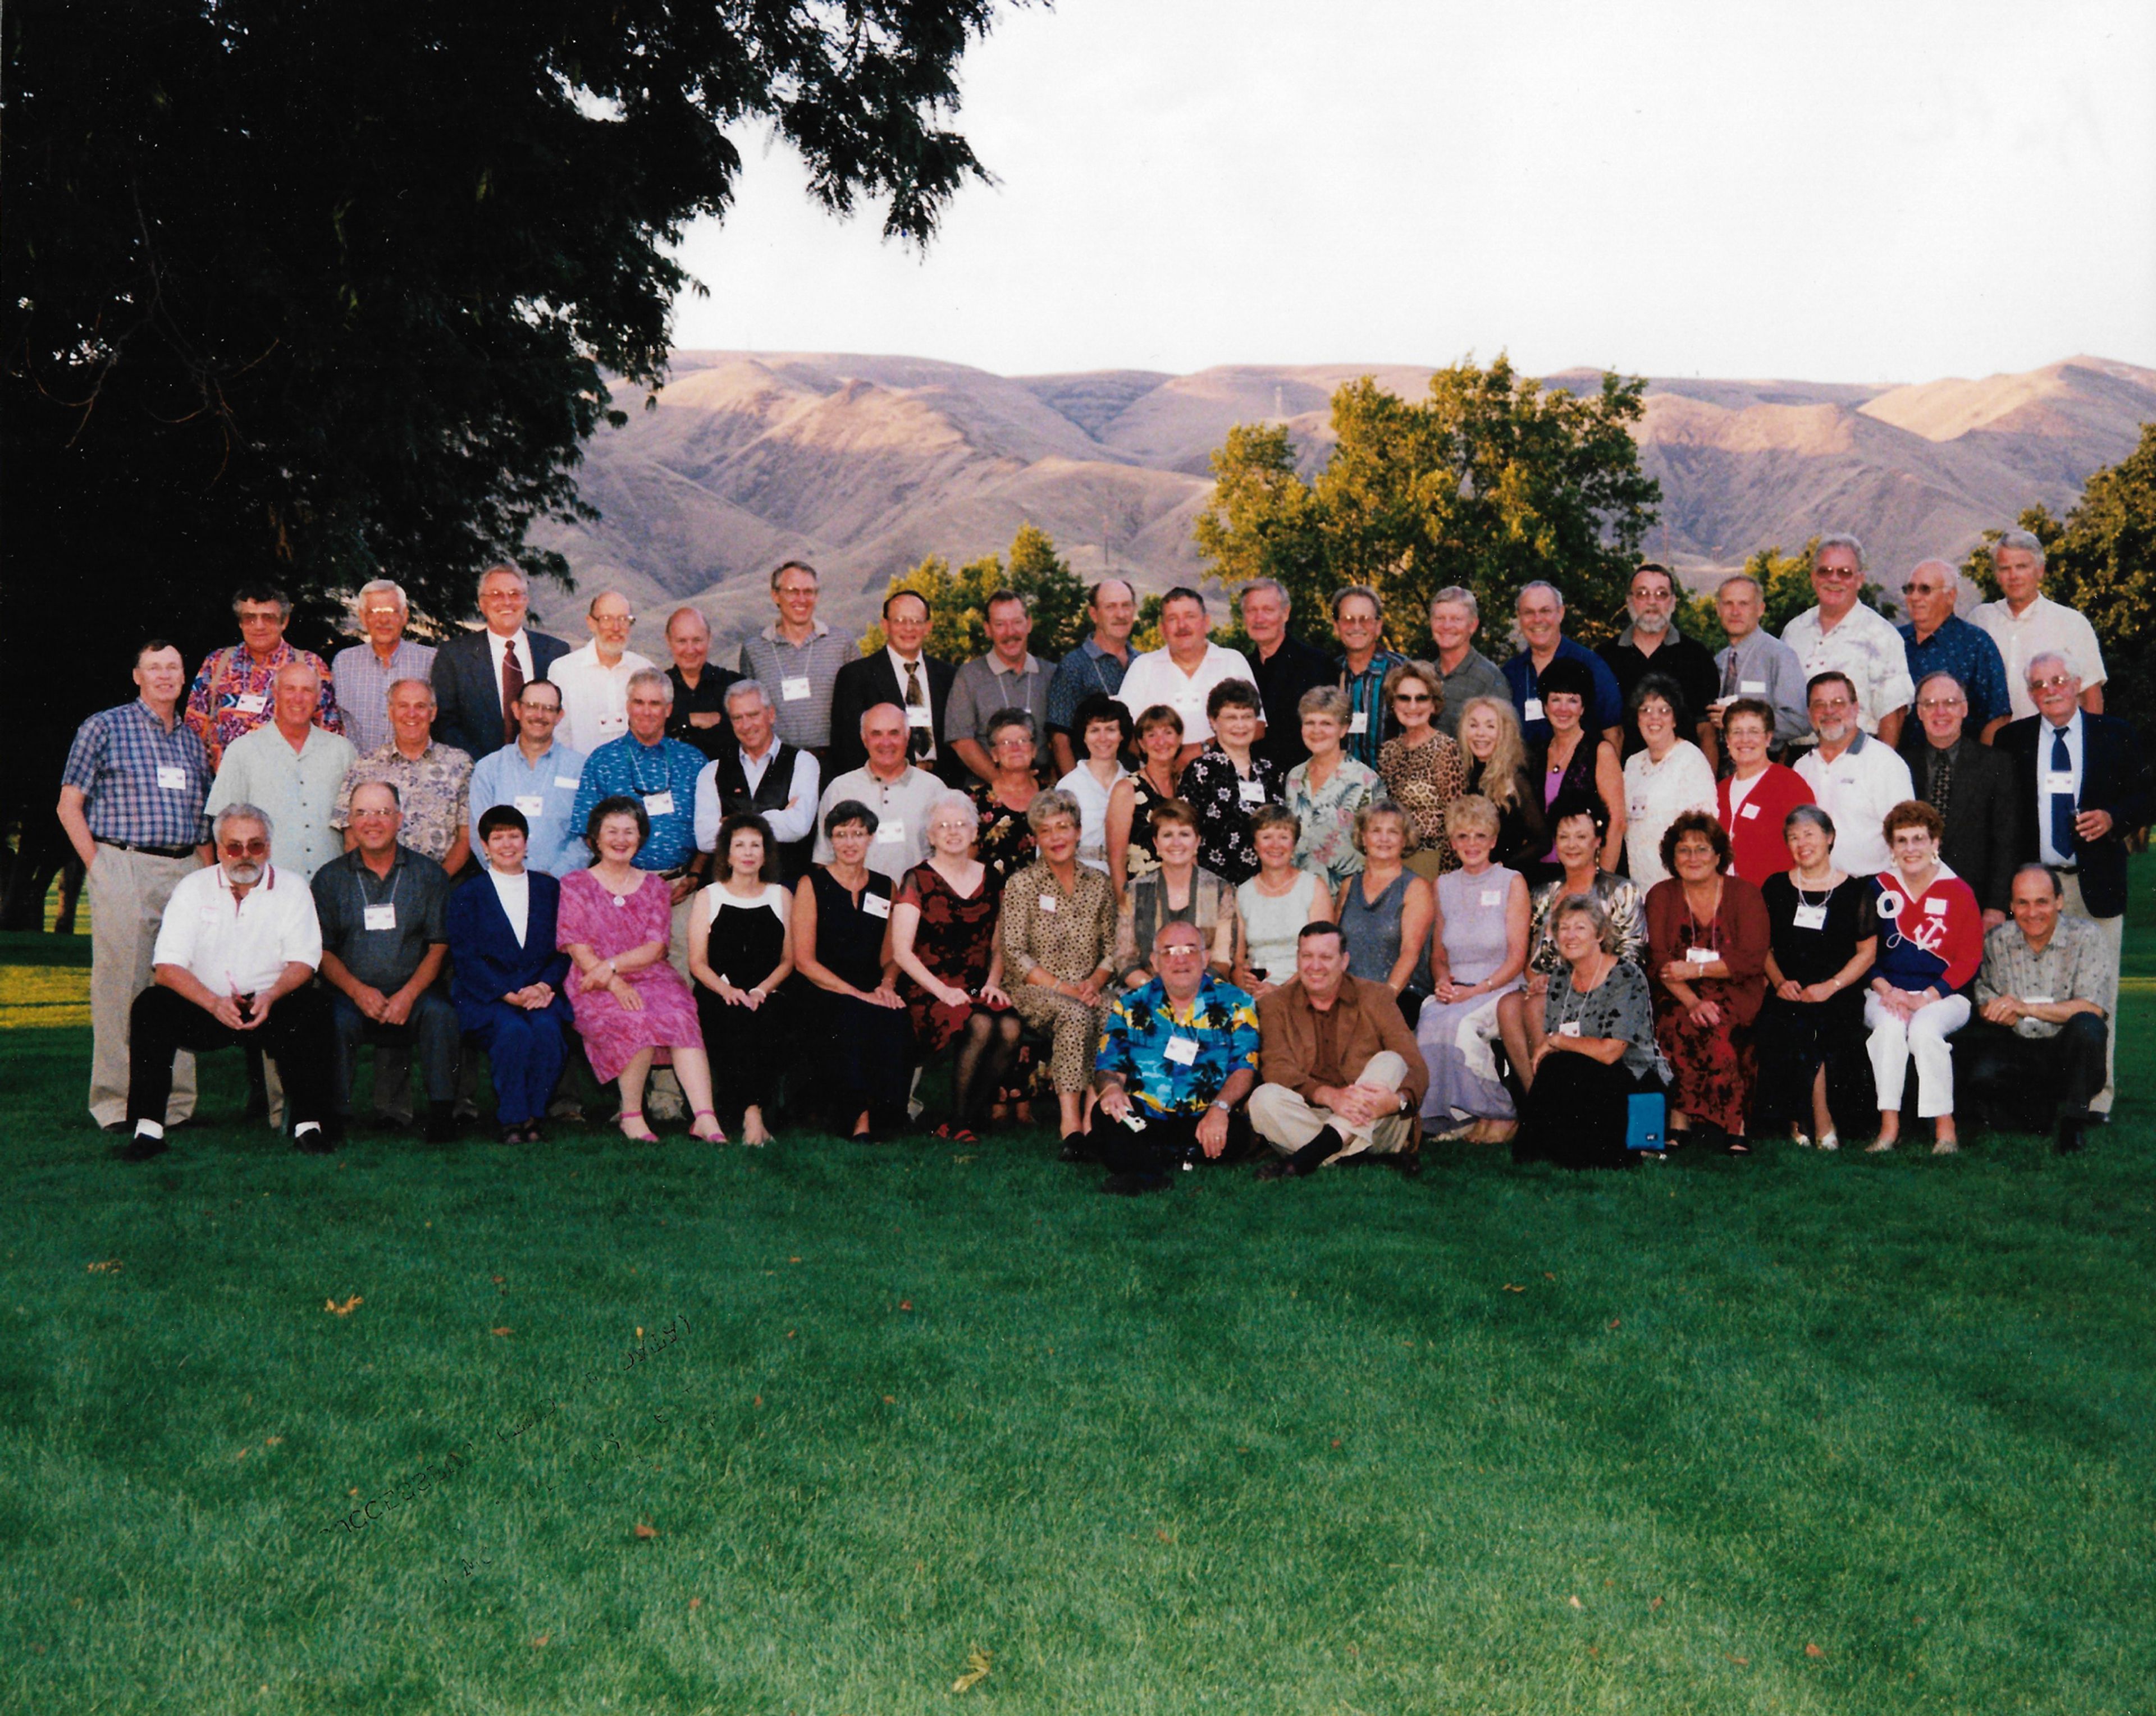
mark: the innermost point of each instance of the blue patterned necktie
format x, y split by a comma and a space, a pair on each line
2062, 803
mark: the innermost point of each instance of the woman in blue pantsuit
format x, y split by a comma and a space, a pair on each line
506, 974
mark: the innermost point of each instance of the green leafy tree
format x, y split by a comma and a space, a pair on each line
1492, 482
959, 602
318, 293
2101, 559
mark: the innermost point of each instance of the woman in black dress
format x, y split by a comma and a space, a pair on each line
842, 946
1810, 1034
740, 949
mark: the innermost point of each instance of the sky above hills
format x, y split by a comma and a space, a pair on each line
1853, 191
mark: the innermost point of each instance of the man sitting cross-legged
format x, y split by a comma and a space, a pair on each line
235, 958
1177, 1055
1342, 1074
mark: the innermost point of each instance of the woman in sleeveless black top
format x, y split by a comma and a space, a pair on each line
842, 946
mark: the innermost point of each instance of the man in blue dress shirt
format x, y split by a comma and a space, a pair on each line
538, 777
1939, 641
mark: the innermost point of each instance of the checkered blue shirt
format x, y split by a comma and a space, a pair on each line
115, 763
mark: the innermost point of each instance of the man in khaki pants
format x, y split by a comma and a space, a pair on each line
132, 801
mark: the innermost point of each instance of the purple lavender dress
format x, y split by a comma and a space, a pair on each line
610, 925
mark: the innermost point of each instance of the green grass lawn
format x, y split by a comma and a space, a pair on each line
1798, 1434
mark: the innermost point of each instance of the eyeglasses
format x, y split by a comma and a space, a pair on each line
250, 848
614, 619
1927, 705
1411, 697
2052, 684
797, 589
261, 617
539, 709
1019, 743
373, 810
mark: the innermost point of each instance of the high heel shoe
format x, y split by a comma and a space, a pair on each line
633, 1128
716, 1135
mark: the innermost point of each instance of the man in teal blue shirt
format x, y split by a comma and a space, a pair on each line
1176, 1058
539, 776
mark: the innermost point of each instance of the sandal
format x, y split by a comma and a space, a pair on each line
633, 1128
956, 1134
717, 1135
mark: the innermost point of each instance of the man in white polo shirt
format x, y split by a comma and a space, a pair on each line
235, 960
899, 792
2025, 623
1854, 777
1182, 675
1842, 634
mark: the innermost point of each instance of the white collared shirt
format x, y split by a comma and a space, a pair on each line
1864, 645
1154, 677
239, 947
1856, 790
2076, 748
595, 696
500, 646
2043, 627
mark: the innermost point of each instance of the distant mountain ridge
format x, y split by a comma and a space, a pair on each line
863, 465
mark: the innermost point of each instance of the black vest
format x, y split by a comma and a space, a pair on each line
770, 794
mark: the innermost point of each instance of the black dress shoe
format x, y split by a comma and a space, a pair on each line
139, 1149
1134, 1185
2070, 1138
1075, 1148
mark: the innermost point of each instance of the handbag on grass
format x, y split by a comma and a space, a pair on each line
1647, 1114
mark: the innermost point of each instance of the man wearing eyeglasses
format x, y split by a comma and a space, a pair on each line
594, 679
235, 957
1854, 777
1842, 635
1971, 786
796, 659
1010, 676
231, 695
2082, 782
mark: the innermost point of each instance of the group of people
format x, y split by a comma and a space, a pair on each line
1308, 904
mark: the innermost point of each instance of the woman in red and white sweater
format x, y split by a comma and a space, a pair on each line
1753, 802
1931, 942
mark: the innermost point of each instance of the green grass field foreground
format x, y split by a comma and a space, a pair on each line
829, 1429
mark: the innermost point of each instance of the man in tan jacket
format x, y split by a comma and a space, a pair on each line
1341, 1070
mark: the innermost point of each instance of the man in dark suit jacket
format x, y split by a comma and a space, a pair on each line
883, 678
471, 709
2083, 784
1972, 786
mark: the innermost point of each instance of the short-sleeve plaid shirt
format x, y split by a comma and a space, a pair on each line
141, 785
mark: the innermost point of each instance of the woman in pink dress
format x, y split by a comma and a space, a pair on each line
614, 926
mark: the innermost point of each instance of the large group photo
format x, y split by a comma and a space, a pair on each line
1492, 1057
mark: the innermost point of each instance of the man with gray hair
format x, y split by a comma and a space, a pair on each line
1841, 635
292, 768
2024, 622
759, 772
594, 679
1971, 786
433, 780
1756, 663
1540, 614
364, 672
699, 715
477, 675
1455, 617
235, 964
232, 692
1938, 641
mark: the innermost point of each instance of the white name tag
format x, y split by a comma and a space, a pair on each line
531, 804
1251, 791
1935, 907
1701, 956
1181, 1050
1810, 917
1749, 812
252, 703
381, 917
1047, 902
920, 715
2056, 783
170, 778
1533, 712
876, 905
1493, 896
567, 783
890, 832
1569, 1028
1358, 723
658, 804
1752, 688
793, 690
1636, 810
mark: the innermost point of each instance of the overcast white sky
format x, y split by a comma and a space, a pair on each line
1894, 190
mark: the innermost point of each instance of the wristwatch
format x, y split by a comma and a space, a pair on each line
1224, 1108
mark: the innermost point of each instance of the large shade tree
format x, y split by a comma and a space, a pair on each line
317, 292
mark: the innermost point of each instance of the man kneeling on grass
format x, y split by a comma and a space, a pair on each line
1342, 1074
236, 955
1177, 1055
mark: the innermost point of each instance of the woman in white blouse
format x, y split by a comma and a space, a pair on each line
1670, 776
1103, 729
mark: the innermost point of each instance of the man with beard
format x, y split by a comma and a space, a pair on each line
1652, 644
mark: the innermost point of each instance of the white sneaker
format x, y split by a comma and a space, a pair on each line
1830, 1141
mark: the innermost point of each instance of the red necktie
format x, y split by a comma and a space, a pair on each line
512, 688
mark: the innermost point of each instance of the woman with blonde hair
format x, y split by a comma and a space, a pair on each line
1482, 913
1326, 789
1495, 758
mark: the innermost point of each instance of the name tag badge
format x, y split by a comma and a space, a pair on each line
1935, 907
1636, 810
2055, 783
1569, 1028
1533, 712
658, 804
1493, 896
876, 905
793, 690
920, 715
1182, 1050
1251, 791
172, 778
892, 831
252, 703
382, 917
531, 804
1810, 917
1752, 688
1701, 956
1047, 902
1750, 812
567, 783
1358, 723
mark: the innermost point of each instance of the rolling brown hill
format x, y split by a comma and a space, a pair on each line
863, 465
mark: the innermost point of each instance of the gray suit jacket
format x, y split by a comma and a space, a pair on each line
468, 710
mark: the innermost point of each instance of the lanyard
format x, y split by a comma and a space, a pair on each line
360, 873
